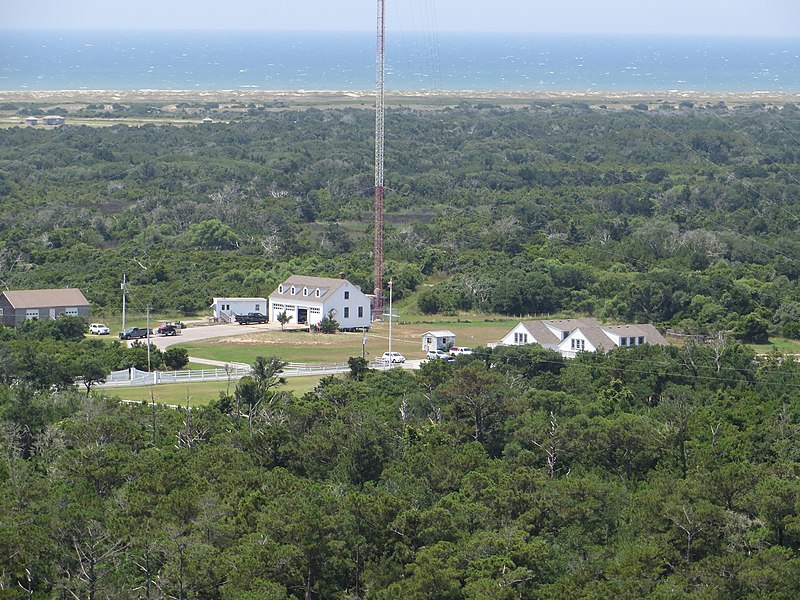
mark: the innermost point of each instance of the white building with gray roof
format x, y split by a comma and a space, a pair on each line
306, 300
571, 336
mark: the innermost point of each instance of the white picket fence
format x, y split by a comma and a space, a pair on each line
135, 377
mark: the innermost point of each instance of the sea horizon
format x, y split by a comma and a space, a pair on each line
163, 60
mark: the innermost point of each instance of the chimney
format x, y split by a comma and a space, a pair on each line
341, 274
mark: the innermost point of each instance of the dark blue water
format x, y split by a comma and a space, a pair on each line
448, 62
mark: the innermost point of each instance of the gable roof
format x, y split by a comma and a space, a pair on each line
542, 331
326, 285
596, 337
599, 335
46, 298
440, 333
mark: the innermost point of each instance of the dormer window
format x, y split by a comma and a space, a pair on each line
317, 293
280, 289
293, 290
305, 291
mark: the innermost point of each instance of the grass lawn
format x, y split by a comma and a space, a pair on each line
780, 344
200, 394
300, 346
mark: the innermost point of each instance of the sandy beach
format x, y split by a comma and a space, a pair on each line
323, 98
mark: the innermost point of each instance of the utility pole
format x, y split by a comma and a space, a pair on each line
148, 339
390, 321
124, 288
379, 189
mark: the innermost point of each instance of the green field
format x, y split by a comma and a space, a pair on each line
199, 394
778, 344
301, 346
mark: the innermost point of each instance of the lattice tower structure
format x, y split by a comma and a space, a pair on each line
379, 187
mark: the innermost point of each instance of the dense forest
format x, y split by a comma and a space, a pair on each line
658, 472
681, 215
512, 473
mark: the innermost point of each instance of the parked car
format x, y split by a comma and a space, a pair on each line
459, 350
251, 318
134, 333
99, 329
438, 354
169, 329
393, 357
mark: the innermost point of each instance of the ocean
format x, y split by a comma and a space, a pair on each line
194, 60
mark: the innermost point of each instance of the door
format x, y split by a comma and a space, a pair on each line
302, 316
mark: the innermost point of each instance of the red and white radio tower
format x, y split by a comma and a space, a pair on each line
379, 190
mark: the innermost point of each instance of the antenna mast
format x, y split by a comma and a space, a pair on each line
379, 190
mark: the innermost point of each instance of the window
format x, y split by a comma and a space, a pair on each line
623, 341
305, 291
641, 339
32, 313
520, 338
280, 289
346, 312
578, 344
258, 308
360, 311
347, 295
293, 290
1, 312
71, 312
316, 293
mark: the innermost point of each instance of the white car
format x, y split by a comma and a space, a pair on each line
99, 329
393, 357
459, 350
434, 354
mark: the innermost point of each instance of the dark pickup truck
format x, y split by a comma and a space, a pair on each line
169, 329
133, 333
251, 318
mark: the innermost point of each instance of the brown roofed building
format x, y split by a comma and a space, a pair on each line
16, 306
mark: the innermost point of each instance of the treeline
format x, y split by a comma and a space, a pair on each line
649, 472
684, 216
39, 356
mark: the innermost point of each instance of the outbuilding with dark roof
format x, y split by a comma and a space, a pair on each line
19, 305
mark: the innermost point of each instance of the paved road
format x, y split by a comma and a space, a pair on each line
205, 332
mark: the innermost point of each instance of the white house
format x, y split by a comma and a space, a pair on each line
548, 333
570, 336
438, 340
607, 337
53, 120
226, 309
306, 300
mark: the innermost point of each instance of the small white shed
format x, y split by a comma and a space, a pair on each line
438, 340
31, 121
226, 309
